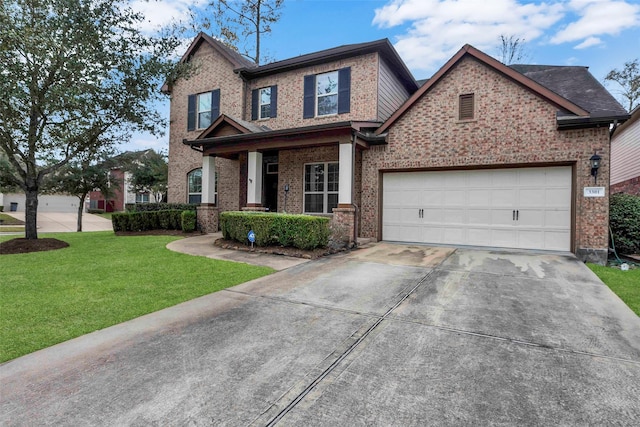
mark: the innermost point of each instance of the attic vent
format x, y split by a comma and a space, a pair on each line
465, 105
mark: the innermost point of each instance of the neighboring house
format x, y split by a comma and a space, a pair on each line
625, 156
120, 178
481, 154
46, 202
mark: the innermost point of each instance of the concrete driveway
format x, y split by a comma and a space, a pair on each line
57, 222
389, 335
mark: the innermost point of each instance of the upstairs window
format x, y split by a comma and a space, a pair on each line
466, 107
203, 109
264, 103
327, 94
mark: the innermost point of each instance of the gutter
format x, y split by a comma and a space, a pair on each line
583, 122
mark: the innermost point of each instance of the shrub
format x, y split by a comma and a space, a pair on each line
149, 207
1, 208
152, 220
95, 211
624, 219
188, 221
300, 231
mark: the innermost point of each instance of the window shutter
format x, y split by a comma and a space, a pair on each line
274, 101
309, 108
191, 112
215, 104
254, 104
344, 90
465, 107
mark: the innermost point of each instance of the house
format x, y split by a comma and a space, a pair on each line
120, 177
480, 154
625, 156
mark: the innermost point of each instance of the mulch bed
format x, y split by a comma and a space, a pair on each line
23, 246
278, 250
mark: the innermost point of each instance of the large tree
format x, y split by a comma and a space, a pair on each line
76, 76
246, 21
629, 81
512, 49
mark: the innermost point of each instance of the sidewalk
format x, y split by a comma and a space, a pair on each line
59, 222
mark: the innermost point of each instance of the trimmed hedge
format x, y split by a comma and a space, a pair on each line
150, 207
153, 220
95, 211
300, 231
188, 219
624, 219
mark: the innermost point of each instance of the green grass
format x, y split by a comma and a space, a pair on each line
625, 284
9, 220
5, 229
106, 215
98, 281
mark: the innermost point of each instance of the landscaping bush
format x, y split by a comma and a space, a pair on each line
188, 221
149, 207
152, 220
95, 211
1, 208
624, 219
300, 231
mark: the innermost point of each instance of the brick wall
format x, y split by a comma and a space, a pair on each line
512, 127
364, 88
212, 71
630, 186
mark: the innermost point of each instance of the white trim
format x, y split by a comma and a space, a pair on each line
325, 193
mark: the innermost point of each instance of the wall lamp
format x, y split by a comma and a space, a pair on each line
595, 161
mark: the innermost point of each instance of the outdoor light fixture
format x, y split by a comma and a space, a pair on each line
595, 165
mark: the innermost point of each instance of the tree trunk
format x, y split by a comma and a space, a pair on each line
31, 213
80, 209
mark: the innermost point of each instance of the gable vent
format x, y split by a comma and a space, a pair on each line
465, 107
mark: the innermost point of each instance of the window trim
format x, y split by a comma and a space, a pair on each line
260, 103
215, 190
198, 112
325, 193
335, 93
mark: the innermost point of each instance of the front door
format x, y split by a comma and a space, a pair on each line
270, 168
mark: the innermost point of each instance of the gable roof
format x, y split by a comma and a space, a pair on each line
241, 126
570, 102
231, 55
576, 84
382, 46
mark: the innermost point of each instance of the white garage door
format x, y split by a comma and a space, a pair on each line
528, 208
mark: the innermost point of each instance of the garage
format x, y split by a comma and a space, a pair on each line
524, 208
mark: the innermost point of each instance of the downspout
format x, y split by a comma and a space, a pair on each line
193, 147
354, 139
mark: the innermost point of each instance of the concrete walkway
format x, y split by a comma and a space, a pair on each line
60, 222
203, 246
388, 335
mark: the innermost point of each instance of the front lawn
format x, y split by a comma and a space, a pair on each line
625, 284
98, 281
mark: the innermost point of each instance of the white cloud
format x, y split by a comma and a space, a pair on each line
160, 13
591, 41
436, 29
597, 18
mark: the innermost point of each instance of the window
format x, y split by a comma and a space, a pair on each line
327, 94
264, 103
194, 183
142, 197
321, 187
466, 107
194, 179
203, 109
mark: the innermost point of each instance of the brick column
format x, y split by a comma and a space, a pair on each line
208, 215
343, 225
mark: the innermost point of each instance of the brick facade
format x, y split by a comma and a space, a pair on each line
513, 127
630, 186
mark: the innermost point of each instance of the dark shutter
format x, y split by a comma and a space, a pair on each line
254, 104
465, 111
191, 113
344, 90
309, 108
215, 104
274, 101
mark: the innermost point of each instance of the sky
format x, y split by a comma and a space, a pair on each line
600, 34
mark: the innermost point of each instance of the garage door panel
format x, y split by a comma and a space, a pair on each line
478, 207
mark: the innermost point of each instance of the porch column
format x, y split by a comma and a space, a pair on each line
208, 180
345, 183
254, 179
